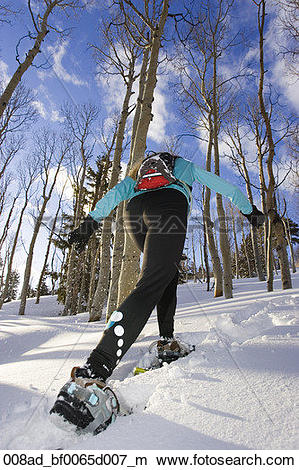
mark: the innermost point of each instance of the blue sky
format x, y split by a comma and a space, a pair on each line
73, 78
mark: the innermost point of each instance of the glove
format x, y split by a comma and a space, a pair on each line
256, 218
80, 236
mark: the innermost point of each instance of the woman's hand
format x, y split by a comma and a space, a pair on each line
256, 217
80, 236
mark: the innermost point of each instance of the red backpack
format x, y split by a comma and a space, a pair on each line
156, 171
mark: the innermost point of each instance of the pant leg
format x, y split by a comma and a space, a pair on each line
165, 216
167, 304
166, 308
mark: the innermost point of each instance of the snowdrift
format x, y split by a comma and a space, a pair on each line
236, 391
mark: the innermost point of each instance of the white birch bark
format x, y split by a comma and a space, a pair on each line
131, 255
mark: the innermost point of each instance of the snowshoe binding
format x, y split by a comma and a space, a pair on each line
85, 402
163, 351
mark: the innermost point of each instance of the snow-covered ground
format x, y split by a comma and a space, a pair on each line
236, 391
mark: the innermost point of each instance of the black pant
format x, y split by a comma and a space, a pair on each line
157, 223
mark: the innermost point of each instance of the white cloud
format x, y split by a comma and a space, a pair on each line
4, 76
48, 110
63, 181
39, 106
114, 90
287, 85
158, 126
43, 74
58, 52
279, 75
92, 5
55, 116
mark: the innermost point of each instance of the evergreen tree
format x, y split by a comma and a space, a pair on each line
243, 259
182, 269
13, 285
30, 292
294, 231
186, 270
44, 289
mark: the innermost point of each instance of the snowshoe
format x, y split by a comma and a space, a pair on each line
87, 403
163, 351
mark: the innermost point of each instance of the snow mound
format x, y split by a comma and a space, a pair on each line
253, 321
237, 390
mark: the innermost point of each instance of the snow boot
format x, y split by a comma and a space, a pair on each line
163, 351
86, 402
171, 349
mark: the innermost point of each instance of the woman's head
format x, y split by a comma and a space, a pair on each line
135, 167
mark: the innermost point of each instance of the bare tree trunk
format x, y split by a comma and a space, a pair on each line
119, 237
130, 256
48, 250
223, 238
217, 269
83, 288
79, 123
269, 259
225, 250
30, 55
40, 28
101, 292
263, 203
70, 306
94, 260
15, 240
280, 245
206, 258
289, 240
253, 230
275, 225
117, 253
245, 248
235, 241
203, 272
11, 257
94, 244
37, 226
3, 266
194, 260
70, 282
7, 223
53, 280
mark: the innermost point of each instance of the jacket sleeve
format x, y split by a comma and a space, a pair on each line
121, 191
221, 186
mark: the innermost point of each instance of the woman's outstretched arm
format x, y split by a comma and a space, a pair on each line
223, 187
121, 191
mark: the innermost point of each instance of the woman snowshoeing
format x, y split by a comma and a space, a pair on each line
158, 194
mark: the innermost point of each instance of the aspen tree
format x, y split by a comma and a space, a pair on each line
51, 235
79, 124
276, 236
50, 157
116, 56
239, 160
28, 175
155, 25
40, 27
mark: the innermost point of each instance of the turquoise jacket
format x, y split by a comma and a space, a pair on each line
186, 172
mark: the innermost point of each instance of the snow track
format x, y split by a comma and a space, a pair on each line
237, 390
